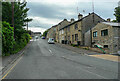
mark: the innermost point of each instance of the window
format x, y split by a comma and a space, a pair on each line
72, 38
62, 31
62, 37
54, 29
104, 32
76, 26
105, 46
95, 34
76, 37
69, 38
68, 29
65, 37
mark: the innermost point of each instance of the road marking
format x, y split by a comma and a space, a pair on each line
84, 69
50, 51
10, 69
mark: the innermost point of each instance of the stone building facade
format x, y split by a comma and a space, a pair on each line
59, 33
74, 33
54, 31
51, 32
107, 34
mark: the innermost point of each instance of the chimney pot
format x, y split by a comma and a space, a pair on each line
72, 20
65, 19
108, 19
80, 16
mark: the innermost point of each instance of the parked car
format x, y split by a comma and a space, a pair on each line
36, 37
43, 37
51, 41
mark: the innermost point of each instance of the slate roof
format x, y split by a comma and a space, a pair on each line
112, 24
81, 19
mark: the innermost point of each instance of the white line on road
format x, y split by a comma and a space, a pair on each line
50, 51
84, 69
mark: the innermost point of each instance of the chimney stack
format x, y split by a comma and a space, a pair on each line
72, 20
65, 20
108, 19
80, 16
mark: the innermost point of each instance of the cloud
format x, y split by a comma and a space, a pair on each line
39, 21
35, 29
69, 2
46, 13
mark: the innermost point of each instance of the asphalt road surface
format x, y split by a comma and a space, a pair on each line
50, 61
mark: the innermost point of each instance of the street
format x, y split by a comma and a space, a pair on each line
51, 61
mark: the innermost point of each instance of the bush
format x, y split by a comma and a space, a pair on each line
11, 45
7, 38
73, 45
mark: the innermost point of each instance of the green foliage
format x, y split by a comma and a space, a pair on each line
20, 13
9, 45
73, 45
114, 21
14, 38
7, 38
45, 33
117, 14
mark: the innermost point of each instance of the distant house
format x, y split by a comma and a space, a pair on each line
107, 34
36, 33
60, 32
51, 32
74, 33
54, 32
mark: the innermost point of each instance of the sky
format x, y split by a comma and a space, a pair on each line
47, 13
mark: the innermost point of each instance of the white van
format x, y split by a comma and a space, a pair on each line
51, 41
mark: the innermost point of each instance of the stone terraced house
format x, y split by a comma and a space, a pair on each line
74, 33
107, 35
53, 32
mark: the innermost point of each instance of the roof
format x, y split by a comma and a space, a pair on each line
112, 23
80, 19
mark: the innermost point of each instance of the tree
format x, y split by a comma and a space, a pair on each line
11, 45
45, 33
20, 16
7, 38
117, 13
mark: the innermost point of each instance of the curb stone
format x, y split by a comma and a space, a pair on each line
15, 59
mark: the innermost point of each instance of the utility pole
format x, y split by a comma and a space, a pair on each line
77, 10
119, 4
93, 9
93, 5
27, 24
84, 13
13, 16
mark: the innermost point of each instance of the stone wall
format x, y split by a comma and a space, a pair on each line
112, 39
89, 22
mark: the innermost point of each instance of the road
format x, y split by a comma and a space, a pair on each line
51, 61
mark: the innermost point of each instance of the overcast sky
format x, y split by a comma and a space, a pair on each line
46, 13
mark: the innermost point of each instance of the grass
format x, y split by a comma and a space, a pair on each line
86, 48
17, 48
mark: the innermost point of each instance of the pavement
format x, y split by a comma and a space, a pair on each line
91, 53
78, 50
108, 57
52, 61
7, 60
